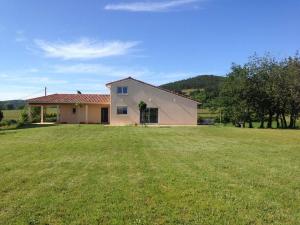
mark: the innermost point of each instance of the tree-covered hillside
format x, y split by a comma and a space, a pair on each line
203, 88
12, 104
208, 82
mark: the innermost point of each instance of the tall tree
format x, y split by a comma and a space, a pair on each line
293, 87
234, 96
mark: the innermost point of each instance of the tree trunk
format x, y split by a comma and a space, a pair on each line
269, 125
250, 122
277, 120
292, 122
249, 119
262, 121
284, 120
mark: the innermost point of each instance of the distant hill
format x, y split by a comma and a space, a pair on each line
207, 82
203, 88
12, 104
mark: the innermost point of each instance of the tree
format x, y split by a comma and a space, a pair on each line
234, 96
1, 115
24, 118
10, 106
35, 114
142, 107
293, 86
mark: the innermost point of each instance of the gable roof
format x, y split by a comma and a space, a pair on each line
71, 99
163, 89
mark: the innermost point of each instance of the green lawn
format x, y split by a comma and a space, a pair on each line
91, 174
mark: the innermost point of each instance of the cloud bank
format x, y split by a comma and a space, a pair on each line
85, 49
149, 6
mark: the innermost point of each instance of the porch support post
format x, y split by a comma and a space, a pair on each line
42, 114
86, 113
57, 113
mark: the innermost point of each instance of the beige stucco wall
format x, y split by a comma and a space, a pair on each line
172, 109
94, 113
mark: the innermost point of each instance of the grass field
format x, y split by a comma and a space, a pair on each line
15, 114
91, 174
11, 114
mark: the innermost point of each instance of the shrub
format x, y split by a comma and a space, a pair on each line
7, 123
36, 114
20, 124
24, 117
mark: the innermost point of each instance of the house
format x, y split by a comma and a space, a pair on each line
121, 106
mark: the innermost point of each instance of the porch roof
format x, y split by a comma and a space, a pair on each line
71, 99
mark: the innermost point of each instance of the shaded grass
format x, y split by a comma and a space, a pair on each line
91, 174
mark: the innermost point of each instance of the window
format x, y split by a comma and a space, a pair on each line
122, 110
122, 90
74, 110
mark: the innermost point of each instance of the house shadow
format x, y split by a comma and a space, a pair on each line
26, 126
35, 125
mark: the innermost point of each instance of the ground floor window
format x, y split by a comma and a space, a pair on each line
149, 116
122, 110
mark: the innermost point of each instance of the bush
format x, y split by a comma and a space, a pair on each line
24, 117
51, 117
20, 124
36, 114
7, 123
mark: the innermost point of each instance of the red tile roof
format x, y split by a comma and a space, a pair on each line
71, 98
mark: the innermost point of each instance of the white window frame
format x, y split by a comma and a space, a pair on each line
122, 90
122, 114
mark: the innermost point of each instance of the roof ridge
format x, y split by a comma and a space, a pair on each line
163, 89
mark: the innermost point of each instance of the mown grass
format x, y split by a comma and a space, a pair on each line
91, 174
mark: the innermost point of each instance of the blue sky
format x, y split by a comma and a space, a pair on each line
70, 45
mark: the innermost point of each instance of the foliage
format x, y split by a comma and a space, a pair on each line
262, 89
142, 107
51, 117
12, 104
24, 117
203, 88
35, 114
7, 123
210, 82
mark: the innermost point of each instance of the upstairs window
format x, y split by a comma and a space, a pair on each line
122, 90
122, 110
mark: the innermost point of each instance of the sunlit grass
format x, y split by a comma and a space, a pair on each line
91, 174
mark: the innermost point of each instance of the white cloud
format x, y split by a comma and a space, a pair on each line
97, 69
29, 79
85, 49
110, 73
149, 6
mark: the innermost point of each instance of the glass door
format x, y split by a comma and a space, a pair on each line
149, 116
